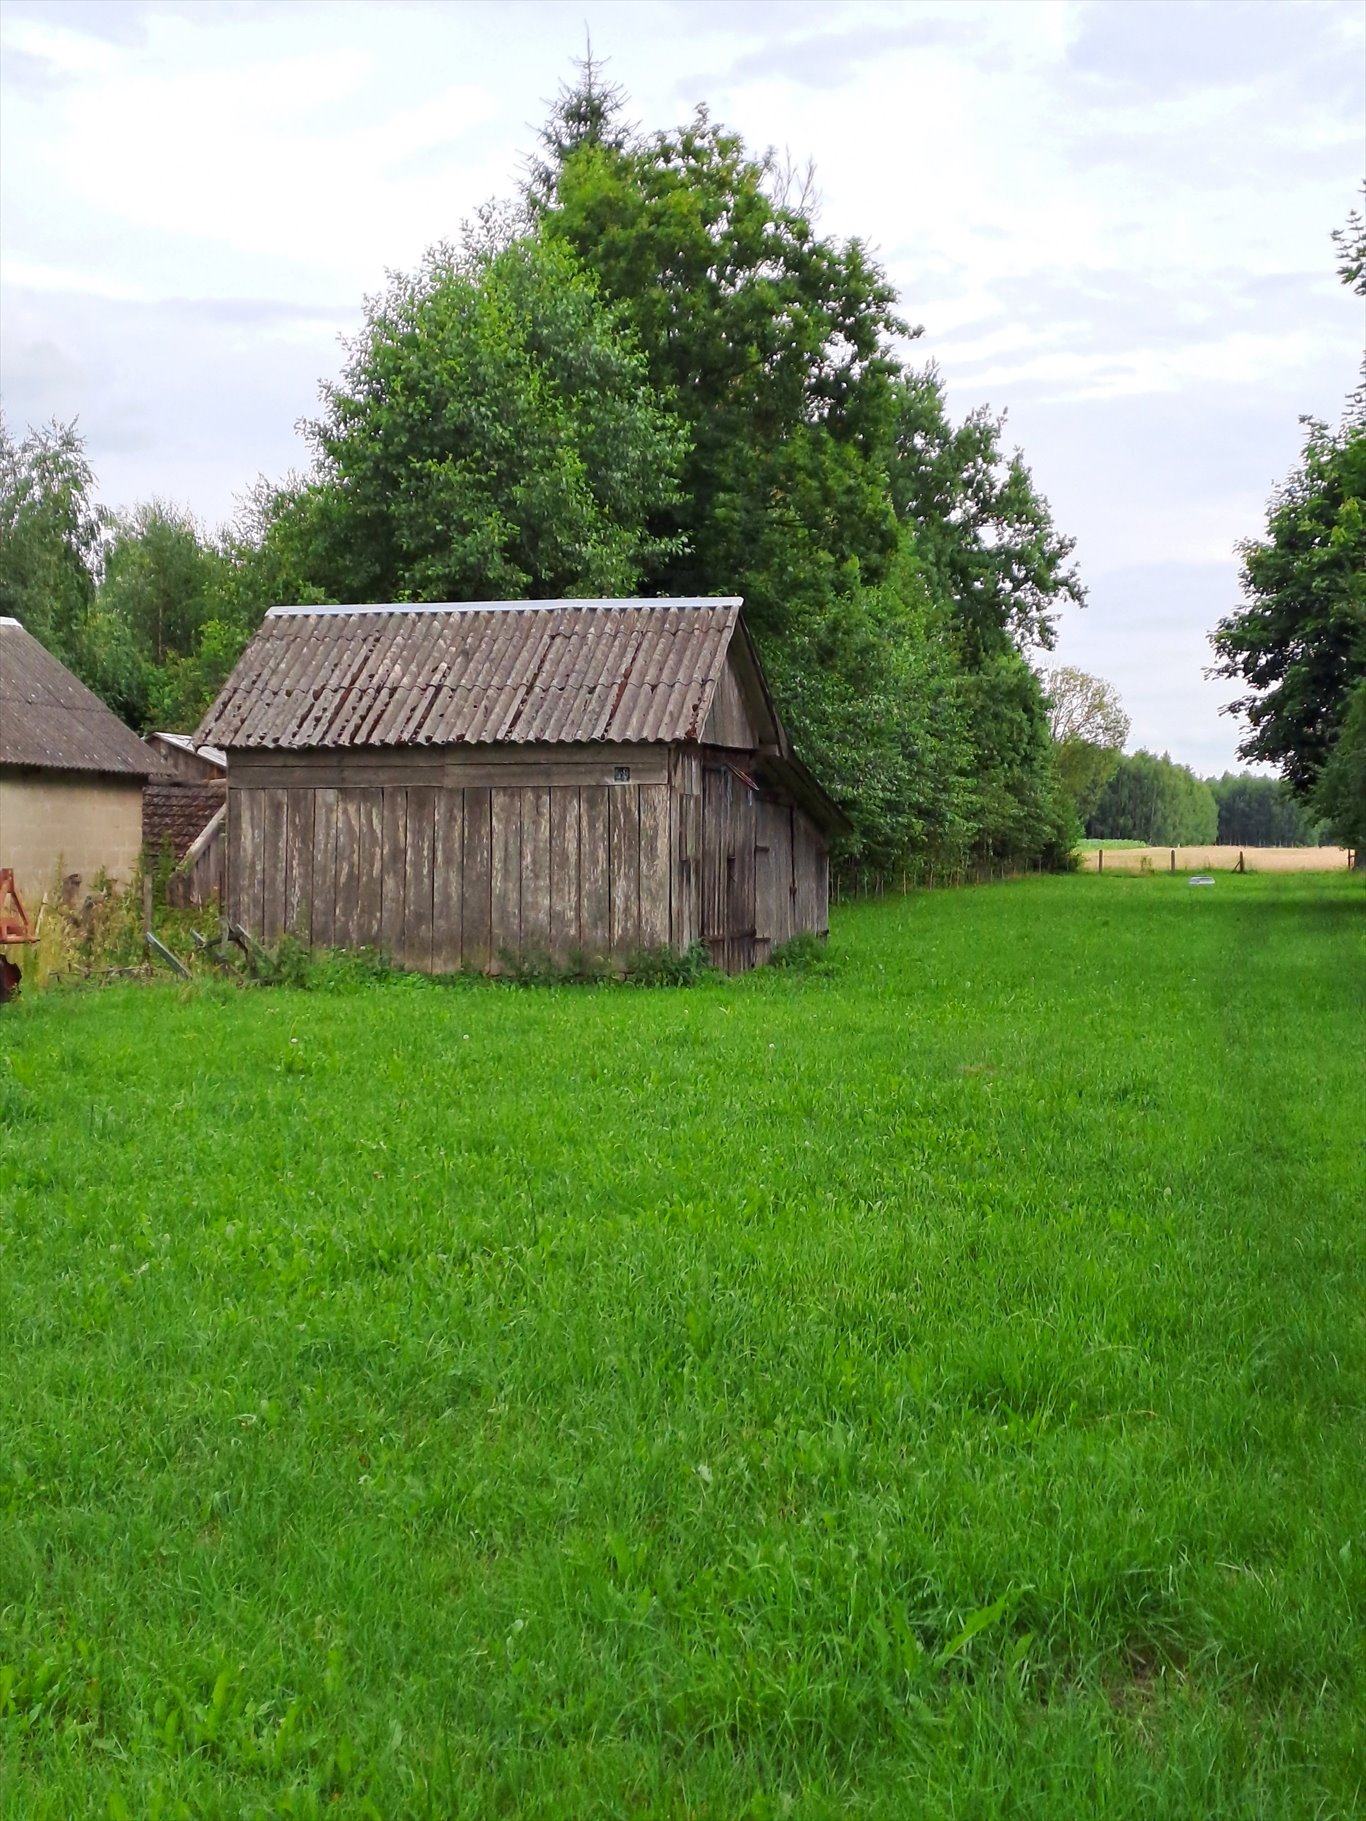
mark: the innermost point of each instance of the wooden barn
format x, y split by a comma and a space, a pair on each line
184, 813
463, 784
71, 774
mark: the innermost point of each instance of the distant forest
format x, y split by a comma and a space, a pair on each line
1153, 800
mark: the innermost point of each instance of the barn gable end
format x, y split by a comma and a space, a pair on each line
742, 713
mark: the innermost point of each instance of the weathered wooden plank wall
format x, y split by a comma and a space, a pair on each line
345, 918
274, 808
462, 767
811, 905
730, 722
251, 887
324, 907
740, 863
685, 873
594, 875
537, 861
623, 867
653, 867
775, 878
372, 865
419, 885
566, 925
507, 873
393, 870
300, 814
449, 878
476, 947
715, 822
448, 875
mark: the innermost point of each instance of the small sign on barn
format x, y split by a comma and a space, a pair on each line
465, 783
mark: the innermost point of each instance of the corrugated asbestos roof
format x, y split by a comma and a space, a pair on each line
49, 719
184, 743
483, 672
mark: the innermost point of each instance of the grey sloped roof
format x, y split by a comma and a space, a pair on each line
50, 720
482, 672
183, 743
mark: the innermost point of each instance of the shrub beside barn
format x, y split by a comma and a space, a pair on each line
466, 784
71, 775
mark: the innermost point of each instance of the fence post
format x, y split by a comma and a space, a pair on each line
1173, 859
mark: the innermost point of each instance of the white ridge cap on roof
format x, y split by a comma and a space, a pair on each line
8, 619
660, 601
214, 754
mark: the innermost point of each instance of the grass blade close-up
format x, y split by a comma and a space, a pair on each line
932, 1384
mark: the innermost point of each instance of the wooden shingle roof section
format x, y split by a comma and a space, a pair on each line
480, 672
50, 721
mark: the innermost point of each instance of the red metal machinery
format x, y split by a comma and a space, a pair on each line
14, 923
14, 927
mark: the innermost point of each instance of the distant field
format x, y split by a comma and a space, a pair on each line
933, 1389
1129, 856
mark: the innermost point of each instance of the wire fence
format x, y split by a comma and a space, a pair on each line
849, 883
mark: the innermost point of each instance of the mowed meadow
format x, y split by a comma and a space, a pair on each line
931, 1387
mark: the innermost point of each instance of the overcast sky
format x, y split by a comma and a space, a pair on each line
1111, 219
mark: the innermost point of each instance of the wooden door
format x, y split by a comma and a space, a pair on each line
729, 827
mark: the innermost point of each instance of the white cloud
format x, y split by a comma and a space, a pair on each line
35, 275
67, 53
1231, 360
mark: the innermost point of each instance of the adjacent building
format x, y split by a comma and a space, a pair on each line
184, 812
71, 775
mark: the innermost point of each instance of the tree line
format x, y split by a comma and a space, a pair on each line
1150, 798
651, 373
1143, 797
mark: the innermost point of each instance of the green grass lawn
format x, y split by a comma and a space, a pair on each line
934, 1389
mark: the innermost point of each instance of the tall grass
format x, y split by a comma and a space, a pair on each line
929, 1387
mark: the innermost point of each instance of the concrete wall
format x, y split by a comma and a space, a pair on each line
59, 822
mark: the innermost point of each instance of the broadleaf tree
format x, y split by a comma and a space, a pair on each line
494, 434
1297, 646
1089, 727
51, 538
1340, 792
985, 534
776, 344
783, 348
